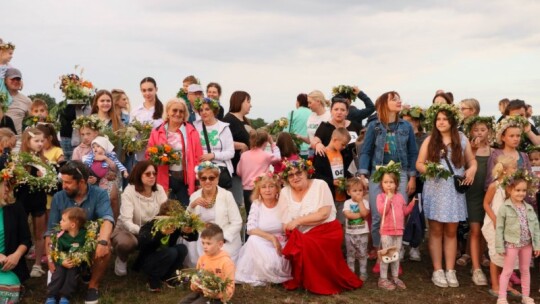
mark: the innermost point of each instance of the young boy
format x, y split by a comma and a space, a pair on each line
39, 111
356, 210
64, 277
332, 168
215, 260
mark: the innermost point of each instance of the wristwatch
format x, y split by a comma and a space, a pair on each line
103, 242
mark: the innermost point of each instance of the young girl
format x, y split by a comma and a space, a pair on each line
356, 210
51, 146
479, 129
255, 162
518, 233
493, 199
34, 202
6, 54
392, 207
89, 127
443, 205
288, 150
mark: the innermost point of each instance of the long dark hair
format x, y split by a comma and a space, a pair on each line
158, 107
436, 143
235, 104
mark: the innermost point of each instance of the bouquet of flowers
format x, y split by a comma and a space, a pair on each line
17, 169
164, 155
134, 137
277, 126
76, 90
297, 141
208, 282
434, 171
81, 254
342, 184
344, 90
3, 101
176, 219
93, 122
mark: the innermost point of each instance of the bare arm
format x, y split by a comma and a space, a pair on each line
488, 198
422, 156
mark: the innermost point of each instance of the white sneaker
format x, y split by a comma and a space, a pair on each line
527, 300
37, 271
451, 278
479, 278
439, 279
402, 254
414, 255
120, 267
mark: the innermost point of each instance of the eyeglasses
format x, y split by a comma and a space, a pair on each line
207, 178
181, 111
296, 174
150, 174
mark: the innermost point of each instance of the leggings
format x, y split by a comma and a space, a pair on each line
389, 241
525, 254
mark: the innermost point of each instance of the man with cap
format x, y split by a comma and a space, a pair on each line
20, 105
195, 91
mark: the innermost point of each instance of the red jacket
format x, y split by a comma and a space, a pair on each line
189, 160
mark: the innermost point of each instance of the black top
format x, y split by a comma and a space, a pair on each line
324, 171
324, 133
7, 122
17, 233
358, 115
239, 134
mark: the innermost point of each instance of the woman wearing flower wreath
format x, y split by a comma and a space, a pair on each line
260, 260
388, 138
349, 94
216, 139
443, 205
215, 205
315, 236
140, 203
180, 136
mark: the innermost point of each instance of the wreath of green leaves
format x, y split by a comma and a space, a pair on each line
391, 167
415, 112
508, 122
431, 113
522, 174
489, 121
17, 168
212, 103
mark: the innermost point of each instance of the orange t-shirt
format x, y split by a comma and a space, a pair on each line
336, 165
221, 265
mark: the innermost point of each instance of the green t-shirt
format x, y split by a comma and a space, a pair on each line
6, 277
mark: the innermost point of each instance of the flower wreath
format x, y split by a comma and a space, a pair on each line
7, 46
91, 121
431, 113
415, 112
533, 148
33, 121
507, 122
16, 168
270, 175
300, 164
531, 179
212, 103
344, 90
81, 255
391, 167
487, 120
205, 165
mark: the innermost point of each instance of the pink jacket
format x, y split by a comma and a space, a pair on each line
398, 204
189, 161
254, 163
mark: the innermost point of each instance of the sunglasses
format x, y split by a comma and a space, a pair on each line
150, 174
296, 174
207, 178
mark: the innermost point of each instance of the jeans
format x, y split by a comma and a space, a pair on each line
65, 143
178, 190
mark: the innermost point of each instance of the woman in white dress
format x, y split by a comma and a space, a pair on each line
214, 205
260, 260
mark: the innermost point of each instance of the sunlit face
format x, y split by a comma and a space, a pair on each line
442, 123
97, 149
104, 103
534, 157
388, 184
87, 135
338, 144
394, 103
339, 111
65, 223
212, 92
123, 101
211, 246
480, 131
313, 104
511, 137
208, 179
36, 143
176, 113
518, 192
466, 110
6, 56
148, 91
246, 106
206, 113
268, 190
70, 185
148, 177
356, 192
40, 111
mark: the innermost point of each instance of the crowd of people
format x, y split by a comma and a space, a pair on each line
341, 184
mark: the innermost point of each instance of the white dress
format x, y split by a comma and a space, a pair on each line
258, 261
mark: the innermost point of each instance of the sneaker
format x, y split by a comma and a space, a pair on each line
451, 278
527, 300
92, 296
479, 278
37, 271
399, 283
50, 301
439, 279
402, 254
463, 260
502, 301
386, 284
414, 255
63, 301
120, 267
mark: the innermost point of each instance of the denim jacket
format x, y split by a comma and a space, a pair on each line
508, 226
372, 153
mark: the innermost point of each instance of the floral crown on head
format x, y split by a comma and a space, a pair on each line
268, 175
344, 90
92, 121
487, 120
206, 165
212, 103
7, 46
521, 174
508, 122
391, 167
431, 113
533, 148
415, 112
300, 164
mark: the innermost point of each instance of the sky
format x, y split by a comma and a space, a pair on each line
275, 50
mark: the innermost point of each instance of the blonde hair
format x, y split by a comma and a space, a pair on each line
341, 134
473, 104
503, 163
170, 104
262, 180
356, 181
116, 95
318, 96
6, 136
257, 138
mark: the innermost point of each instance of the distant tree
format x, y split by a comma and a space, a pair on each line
51, 102
258, 122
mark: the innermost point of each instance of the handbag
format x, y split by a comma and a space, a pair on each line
225, 179
390, 254
459, 180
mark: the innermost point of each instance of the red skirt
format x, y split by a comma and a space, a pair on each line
317, 261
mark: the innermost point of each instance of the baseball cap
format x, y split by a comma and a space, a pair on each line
13, 73
195, 88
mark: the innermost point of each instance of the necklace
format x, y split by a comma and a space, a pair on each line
212, 202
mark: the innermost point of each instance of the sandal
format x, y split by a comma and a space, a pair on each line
463, 260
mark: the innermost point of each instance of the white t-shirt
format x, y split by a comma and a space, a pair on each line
214, 141
314, 121
143, 114
358, 226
